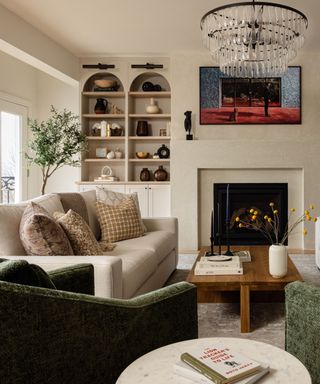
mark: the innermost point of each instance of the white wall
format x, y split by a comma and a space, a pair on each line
40, 91
238, 146
51, 91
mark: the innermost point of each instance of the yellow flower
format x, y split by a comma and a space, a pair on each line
275, 211
305, 232
308, 217
315, 219
266, 217
271, 204
251, 210
256, 213
269, 220
240, 225
237, 218
254, 217
292, 209
311, 206
306, 212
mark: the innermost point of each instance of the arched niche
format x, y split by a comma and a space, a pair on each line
153, 77
89, 85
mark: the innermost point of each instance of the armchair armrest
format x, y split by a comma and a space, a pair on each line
80, 338
303, 325
78, 278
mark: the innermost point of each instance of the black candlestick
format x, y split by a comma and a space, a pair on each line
211, 253
228, 251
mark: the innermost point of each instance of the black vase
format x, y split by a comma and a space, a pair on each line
142, 128
101, 106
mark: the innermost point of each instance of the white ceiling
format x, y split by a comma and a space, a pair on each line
131, 27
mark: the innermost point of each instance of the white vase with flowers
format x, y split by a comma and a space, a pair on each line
269, 225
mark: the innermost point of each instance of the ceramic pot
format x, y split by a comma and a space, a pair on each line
145, 174
278, 260
152, 108
160, 174
142, 128
118, 153
101, 106
111, 155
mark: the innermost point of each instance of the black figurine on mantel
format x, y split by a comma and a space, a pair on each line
187, 125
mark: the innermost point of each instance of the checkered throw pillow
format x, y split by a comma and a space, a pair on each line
119, 222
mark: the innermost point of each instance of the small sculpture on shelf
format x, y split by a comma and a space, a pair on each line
187, 125
115, 110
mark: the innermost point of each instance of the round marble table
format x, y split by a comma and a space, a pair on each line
156, 367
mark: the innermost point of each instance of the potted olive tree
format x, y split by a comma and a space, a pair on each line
55, 142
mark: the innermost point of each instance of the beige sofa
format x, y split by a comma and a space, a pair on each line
135, 266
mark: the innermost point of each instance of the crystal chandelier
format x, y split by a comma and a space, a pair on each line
253, 39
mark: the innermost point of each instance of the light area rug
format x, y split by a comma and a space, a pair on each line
267, 319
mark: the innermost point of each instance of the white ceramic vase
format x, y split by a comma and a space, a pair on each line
278, 260
152, 108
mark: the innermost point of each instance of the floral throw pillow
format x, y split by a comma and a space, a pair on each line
81, 237
41, 235
119, 222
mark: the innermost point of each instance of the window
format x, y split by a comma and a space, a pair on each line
13, 172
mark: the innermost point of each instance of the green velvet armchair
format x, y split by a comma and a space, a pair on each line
52, 336
303, 325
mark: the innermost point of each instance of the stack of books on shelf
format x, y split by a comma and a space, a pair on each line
210, 266
219, 365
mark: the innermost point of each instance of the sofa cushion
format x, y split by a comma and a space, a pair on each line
21, 272
115, 198
81, 237
41, 235
137, 267
119, 222
90, 199
10, 217
160, 242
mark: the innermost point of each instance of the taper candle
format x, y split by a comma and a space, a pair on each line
227, 204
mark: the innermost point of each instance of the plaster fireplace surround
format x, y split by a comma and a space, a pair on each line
199, 164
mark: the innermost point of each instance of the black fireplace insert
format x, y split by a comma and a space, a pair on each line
245, 196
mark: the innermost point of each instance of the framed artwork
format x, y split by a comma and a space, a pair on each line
227, 100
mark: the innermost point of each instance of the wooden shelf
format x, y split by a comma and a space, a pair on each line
150, 94
150, 115
103, 160
102, 138
150, 138
103, 116
105, 94
149, 160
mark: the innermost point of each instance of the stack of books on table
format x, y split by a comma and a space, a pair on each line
210, 266
219, 365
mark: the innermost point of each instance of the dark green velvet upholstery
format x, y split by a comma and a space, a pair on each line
56, 337
21, 272
303, 325
77, 278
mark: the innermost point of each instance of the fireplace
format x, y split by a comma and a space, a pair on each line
247, 195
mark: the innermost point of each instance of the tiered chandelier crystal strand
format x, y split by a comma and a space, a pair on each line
253, 39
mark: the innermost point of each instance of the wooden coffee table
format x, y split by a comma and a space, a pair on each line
255, 277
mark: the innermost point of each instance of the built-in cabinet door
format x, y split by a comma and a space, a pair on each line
159, 201
142, 191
